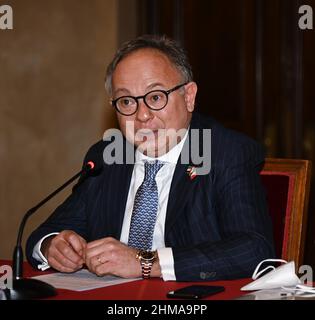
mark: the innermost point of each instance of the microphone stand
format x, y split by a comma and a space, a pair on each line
23, 288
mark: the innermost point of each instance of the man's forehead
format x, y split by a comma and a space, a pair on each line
148, 67
146, 55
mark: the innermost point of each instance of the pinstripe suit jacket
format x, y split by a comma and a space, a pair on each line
217, 224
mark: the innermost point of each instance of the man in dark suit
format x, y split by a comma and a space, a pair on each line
157, 217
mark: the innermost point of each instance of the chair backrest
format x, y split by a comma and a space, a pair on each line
287, 184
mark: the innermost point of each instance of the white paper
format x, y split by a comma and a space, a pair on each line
81, 280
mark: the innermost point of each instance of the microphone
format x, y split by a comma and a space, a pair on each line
23, 288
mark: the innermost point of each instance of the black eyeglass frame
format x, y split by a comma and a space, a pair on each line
166, 92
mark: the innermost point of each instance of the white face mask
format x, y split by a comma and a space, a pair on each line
284, 275
282, 278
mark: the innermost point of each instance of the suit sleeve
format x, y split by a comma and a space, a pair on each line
70, 215
244, 224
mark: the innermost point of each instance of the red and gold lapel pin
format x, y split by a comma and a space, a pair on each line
192, 172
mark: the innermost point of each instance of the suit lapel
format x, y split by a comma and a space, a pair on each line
180, 192
122, 173
119, 178
182, 185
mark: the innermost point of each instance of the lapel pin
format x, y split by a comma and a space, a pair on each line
192, 173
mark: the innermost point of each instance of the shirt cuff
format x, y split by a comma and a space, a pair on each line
166, 260
37, 254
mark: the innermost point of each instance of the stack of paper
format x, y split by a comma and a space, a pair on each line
81, 280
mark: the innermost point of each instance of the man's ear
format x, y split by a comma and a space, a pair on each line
190, 95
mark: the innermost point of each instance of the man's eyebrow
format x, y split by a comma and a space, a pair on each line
122, 90
155, 84
125, 91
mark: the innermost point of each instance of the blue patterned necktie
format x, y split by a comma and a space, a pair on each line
145, 209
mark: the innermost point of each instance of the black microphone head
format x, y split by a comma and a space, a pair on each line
93, 166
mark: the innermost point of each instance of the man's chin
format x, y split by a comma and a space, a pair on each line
152, 150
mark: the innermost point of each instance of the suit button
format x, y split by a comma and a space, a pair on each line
208, 275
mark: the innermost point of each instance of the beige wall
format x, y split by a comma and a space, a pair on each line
52, 101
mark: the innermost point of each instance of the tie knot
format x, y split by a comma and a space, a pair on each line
151, 169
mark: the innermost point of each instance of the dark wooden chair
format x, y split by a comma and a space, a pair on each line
287, 184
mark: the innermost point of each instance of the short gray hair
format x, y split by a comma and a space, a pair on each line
169, 47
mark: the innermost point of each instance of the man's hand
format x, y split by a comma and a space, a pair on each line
65, 251
110, 256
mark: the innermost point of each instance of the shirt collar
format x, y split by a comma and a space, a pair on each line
169, 157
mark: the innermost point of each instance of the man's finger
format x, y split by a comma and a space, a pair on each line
94, 244
106, 241
92, 257
103, 269
64, 260
77, 243
95, 251
67, 251
54, 263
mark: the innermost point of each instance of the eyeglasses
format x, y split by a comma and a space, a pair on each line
155, 100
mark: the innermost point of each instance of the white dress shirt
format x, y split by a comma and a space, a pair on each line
163, 180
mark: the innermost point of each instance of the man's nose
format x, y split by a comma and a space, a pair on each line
143, 113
